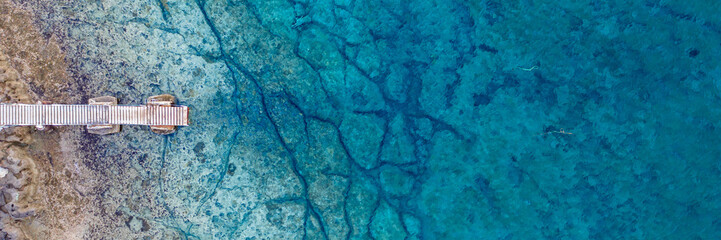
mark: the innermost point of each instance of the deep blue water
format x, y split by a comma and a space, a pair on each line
410, 119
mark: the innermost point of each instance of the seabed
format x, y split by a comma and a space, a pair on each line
382, 119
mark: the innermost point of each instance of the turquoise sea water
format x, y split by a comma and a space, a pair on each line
407, 119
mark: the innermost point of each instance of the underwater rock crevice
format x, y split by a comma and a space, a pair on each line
256, 15
346, 195
325, 172
225, 166
366, 173
238, 114
411, 108
294, 162
443, 170
370, 174
234, 65
174, 224
164, 9
369, 227
316, 71
147, 23
292, 102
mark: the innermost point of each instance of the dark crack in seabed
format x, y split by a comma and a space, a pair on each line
234, 65
395, 119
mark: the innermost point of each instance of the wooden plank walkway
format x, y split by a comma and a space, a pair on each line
63, 114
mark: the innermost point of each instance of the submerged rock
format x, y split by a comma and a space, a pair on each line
385, 119
362, 135
19, 174
387, 223
361, 201
395, 181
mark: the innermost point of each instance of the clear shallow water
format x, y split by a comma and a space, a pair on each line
405, 119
